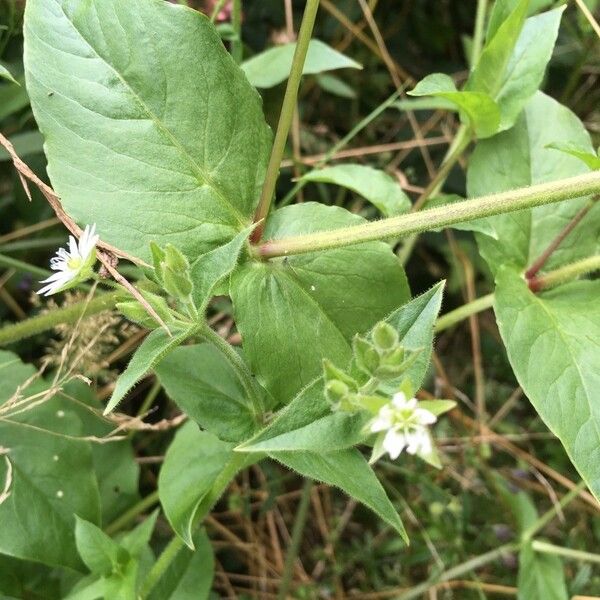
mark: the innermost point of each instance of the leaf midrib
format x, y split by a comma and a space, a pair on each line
201, 174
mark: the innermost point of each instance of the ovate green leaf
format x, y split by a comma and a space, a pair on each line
203, 384
99, 552
479, 109
379, 188
553, 344
541, 576
527, 64
152, 131
6, 74
349, 471
273, 66
213, 267
502, 36
293, 312
194, 462
50, 472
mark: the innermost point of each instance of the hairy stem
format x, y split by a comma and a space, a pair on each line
565, 274
69, 314
459, 212
130, 515
464, 312
168, 555
287, 113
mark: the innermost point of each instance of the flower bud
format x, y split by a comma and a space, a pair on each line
179, 285
135, 312
385, 336
365, 355
336, 391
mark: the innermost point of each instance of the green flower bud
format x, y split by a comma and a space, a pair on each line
385, 336
394, 358
178, 285
158, 257
365, 355
135, 312
331, 372
336, 391
175, 260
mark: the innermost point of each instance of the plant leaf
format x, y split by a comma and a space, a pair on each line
553, 344
142, 137
349, 471
6, 74
150, 352
203, 384
213, 267
280, 304
99, 552
541, 576
193, 465
480, 109
519, 157
271, 67
591, 159
52, 473
487, 75
379, 188
527, 64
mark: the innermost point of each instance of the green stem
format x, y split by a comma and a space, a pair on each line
19, 265
69, 314
478, 32
237, 48
459, 212
240, 367
159, 568
287, 113
550, 514
463, 312
565, 274
342, 144
217, 9
297, 532
130, 515
546, 548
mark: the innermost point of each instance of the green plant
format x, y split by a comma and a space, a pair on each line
170, 156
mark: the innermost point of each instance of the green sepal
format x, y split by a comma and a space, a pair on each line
366, 356
385, 336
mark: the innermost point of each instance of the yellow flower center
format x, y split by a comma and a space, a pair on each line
74, 263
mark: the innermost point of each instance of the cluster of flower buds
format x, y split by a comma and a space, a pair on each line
383, 357
172, 271
378, 386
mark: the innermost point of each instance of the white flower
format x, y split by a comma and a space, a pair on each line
74, 265
405, 426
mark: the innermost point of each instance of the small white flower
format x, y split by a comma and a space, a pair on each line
74, 265
405, 426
